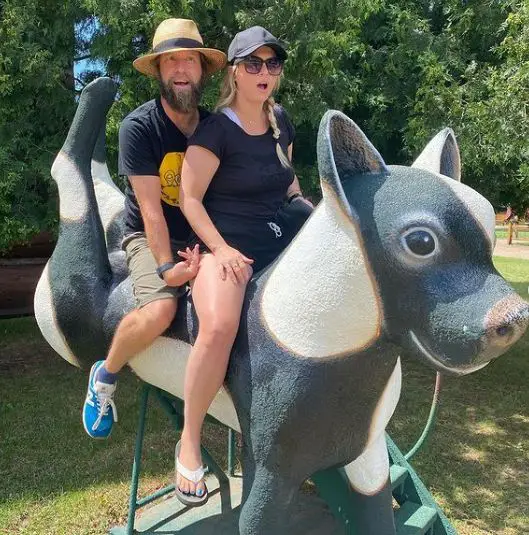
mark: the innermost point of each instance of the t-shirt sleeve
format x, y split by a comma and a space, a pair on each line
136, 156
285, 123
210, 134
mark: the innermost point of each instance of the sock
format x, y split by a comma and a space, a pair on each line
103, 376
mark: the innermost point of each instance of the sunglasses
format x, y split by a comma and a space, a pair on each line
254, 64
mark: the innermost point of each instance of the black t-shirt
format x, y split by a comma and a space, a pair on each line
250, 182
151, 144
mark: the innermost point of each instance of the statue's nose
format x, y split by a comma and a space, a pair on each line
506, 321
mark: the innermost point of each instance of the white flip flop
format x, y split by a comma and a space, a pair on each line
195, 476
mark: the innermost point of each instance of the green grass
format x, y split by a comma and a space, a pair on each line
522, 234
55, 480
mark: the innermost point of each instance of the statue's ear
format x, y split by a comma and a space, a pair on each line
344, 152
441, 155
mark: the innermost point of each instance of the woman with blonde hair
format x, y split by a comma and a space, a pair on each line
236, 177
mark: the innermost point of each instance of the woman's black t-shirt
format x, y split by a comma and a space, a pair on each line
249, 186
250, 181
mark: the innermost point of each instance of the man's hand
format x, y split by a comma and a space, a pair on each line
184, 271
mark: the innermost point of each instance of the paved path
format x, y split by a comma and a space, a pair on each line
518, 249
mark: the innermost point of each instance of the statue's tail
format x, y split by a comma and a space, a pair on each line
80, 222
73, 291
110, 199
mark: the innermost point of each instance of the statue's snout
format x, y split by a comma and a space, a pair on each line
505, 323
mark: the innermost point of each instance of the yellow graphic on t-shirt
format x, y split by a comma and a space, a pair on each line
170, 177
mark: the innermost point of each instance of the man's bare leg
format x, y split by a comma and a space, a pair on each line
138, 330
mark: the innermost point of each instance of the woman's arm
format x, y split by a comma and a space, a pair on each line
198, 169
295, 189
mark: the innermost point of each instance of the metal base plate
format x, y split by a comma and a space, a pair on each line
310, 516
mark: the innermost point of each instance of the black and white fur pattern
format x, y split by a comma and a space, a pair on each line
315, 373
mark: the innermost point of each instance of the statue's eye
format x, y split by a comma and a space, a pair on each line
420, 242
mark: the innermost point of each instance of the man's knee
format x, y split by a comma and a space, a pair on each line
161, 312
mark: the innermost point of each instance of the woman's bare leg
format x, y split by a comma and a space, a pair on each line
218, 305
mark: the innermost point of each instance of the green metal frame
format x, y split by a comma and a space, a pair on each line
413, 490
334, 487
419, 514
174, 408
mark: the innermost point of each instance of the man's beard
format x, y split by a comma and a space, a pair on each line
182, 100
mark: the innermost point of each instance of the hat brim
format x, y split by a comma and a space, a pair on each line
277, 48
216, 60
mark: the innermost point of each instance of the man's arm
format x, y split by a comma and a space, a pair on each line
148, 191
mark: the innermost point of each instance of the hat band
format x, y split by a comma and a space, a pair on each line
179, 42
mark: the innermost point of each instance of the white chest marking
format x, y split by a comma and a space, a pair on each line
45, 316
386, 404
321, 299
369, 472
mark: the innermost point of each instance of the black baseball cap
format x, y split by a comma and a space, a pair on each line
248, 41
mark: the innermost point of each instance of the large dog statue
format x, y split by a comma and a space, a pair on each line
393, 259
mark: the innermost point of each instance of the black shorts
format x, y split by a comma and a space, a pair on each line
261, 239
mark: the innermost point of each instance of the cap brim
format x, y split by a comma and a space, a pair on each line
216, 60
277, 48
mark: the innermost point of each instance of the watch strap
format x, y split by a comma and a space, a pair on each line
160, 270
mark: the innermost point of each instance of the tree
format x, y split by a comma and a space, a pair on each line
37, 100
401, 69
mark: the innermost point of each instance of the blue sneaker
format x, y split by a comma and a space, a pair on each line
99, 410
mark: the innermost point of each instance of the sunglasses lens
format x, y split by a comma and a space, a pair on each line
274, 66
253, 67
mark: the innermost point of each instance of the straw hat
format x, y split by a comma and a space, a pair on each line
173, 35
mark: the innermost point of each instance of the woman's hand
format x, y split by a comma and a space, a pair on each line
233, 264
306, 201
184, 271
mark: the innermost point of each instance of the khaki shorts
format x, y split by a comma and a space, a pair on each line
148, 286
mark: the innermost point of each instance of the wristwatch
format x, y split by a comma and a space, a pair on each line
163, 268
294, 196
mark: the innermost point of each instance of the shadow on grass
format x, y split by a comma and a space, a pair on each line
44, 448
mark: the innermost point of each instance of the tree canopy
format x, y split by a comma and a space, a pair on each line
401, 69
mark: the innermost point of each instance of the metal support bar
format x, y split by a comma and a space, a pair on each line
431, 419
231, 452
158, 494
333, 487
133, 503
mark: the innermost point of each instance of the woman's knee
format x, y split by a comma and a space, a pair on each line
219, 328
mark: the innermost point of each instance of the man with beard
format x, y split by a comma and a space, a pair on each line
152, 142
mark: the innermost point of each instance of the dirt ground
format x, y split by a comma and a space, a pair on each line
18, 280
518, 249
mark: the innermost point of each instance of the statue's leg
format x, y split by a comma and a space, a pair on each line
371, 496
374, 514
265, 510
248, 467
